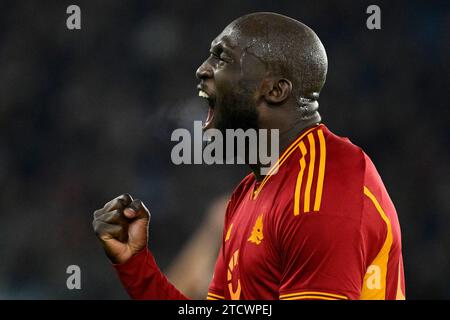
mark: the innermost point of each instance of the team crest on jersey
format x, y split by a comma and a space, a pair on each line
257, 232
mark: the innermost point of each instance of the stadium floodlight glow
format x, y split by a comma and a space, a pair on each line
239, 146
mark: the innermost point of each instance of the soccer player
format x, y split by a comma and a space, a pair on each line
321, 227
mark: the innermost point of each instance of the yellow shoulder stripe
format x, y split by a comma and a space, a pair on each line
281, 160
311, 173
323, 156
299, 179
312, 161
228, 235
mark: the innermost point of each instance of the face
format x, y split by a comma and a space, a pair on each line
229, 81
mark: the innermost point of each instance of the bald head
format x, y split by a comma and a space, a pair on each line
265, 70
287, 47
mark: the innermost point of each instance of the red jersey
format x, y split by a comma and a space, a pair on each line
320, 225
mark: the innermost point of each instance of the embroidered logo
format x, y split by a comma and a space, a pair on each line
257, 232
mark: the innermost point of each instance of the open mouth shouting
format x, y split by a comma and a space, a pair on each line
207, 124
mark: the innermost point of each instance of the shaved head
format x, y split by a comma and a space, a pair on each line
286, 46
265, 70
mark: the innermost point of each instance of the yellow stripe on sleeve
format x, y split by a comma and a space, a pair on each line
320, 178
298, 186
312, 158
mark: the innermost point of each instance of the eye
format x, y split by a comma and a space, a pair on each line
219, 57
223, 57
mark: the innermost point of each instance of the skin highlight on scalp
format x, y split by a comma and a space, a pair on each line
287, 48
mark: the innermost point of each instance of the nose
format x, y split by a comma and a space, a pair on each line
204, 71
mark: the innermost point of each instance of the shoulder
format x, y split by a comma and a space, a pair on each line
344, 157
243, 187
325, 175
241, 191
346, 166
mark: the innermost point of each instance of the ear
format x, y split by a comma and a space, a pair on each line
277, 90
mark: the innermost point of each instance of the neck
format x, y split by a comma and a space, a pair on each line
288, 135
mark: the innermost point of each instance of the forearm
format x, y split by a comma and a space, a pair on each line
143, 280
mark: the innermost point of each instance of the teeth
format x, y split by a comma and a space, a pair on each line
203, 94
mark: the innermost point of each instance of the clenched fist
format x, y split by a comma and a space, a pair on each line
122, 227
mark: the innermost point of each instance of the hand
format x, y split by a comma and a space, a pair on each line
122, 227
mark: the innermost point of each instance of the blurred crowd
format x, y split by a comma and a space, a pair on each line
87, 115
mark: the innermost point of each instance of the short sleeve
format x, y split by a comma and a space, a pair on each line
216, 290
322, 256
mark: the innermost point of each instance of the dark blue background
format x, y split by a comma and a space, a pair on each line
87, 115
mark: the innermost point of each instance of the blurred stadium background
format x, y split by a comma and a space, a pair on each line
87, 115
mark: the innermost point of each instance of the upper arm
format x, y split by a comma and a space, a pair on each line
322, 257
216, 289
325, 253
318, 230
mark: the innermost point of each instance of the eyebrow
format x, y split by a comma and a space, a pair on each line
221, 45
